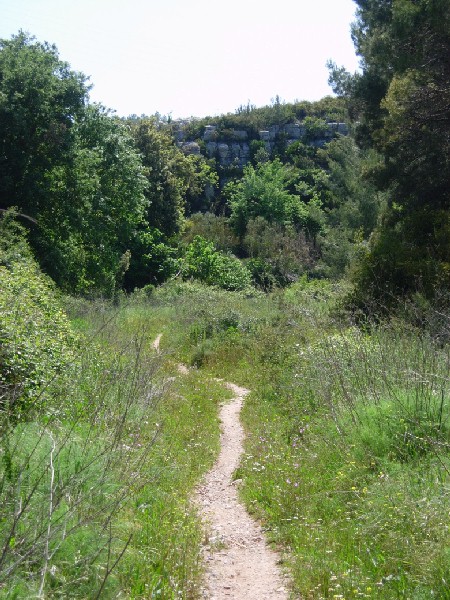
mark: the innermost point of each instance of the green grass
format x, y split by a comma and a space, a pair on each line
96, 485
348, 463
346, 460
347, 454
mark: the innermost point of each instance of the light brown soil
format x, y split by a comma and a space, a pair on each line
239, 564
156, 341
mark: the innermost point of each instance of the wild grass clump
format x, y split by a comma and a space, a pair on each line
69, 470
348, 461
210, 327
96, 480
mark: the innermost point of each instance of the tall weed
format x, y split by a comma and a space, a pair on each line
348, 460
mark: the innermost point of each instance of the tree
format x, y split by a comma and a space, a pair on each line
97, 205
71, 167
403, 100
40, 99
168, 172
203, 262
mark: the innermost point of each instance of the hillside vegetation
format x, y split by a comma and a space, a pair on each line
316, 274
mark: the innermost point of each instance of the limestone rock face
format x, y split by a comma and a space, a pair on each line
294, 131
190, 147
235, 150
240, 135
228, 154
211, 148
223, 150
209, 133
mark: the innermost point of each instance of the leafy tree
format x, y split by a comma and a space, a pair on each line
402, 98
202, 180
172, 176
351, 204
165, 189
315, 128
279, 254
203, 262
152, 259
98, 203
213, 228
40, 100
70, 166
262, 191
267, 191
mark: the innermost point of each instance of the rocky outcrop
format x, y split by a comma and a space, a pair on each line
190, 147
228, 154
235, 149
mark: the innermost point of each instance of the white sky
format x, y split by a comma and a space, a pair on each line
192, 57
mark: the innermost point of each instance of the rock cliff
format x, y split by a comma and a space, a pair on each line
235, 149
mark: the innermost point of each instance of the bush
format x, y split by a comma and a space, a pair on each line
211, 227
203, 262
36, 340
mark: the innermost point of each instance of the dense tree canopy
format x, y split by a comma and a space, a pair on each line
40, 99
402, 102
97, 203
109, 197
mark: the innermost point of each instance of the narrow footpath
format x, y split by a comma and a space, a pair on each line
239, 564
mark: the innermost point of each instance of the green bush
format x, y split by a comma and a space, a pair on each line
203, 262
36, 339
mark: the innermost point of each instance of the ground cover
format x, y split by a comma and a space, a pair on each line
96, 480
347, 456
346, 460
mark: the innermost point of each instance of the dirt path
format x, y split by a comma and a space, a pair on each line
156, 341
239, 564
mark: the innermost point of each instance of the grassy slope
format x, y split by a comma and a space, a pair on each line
96, 478
348, 438
346, 459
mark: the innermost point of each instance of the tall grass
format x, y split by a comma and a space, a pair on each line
348, 461
95, 483
347, 455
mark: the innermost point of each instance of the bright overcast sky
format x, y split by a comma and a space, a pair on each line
192, 57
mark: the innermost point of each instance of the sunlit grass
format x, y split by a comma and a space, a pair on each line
96, 488
346, 460
347, 455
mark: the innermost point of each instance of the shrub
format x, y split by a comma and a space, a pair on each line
203, 262
36, 340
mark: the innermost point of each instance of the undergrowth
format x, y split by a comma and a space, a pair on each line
346, 460
347, 452
97, 472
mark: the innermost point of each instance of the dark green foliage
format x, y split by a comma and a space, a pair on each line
36, 340
97, 203
315, 128
40, 99
201, 261
213, 228
70, 166
163, 163
401, 100
172, 177
152, 260
279, 254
